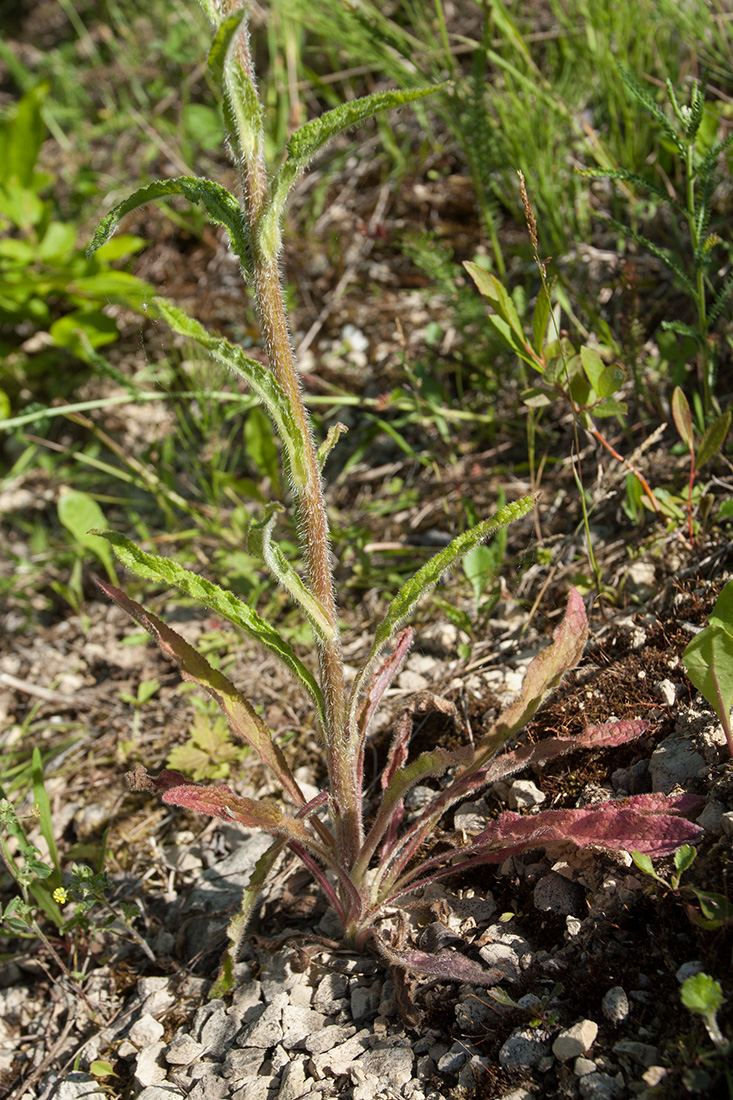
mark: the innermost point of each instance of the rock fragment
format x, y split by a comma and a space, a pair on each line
575, 1040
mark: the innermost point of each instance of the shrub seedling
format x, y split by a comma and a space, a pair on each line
365, 858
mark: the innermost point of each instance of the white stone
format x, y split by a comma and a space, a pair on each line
182, 1050
666, 691
338, 1061
524, 794
298, 1023
78, 1086
583, 1066
575, 1040
726, 823
150, 1068
145, 1031
390, 1060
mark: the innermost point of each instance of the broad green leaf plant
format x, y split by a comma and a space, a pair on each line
363, 851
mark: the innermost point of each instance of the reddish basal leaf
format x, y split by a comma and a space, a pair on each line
647, 823
219, 801
542, 676
449, 966
244, 720
605, 735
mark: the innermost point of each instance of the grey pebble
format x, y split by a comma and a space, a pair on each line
615, 1005
556, 894
600, 1086
522, 1050
644, 1053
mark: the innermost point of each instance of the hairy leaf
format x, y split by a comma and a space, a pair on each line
447, 966
260, 540
647, 823
220, 205
309, 138
420, 584
606, 735
542, 676
222, 41
243, 718
219, 801
259, 378
165, 571
237, 926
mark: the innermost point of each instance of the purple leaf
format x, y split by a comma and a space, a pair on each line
383, 677
645, 823
593, 737
243, 718
219, 801
450, 966
542, 676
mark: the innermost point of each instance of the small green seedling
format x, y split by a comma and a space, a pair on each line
716, 909
702, 995
209, 752
708, 660
711, 444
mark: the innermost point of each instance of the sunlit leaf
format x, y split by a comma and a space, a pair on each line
243, 718
220, 205
259, 378
165, 571
309, 138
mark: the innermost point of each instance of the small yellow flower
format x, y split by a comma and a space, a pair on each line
60, 895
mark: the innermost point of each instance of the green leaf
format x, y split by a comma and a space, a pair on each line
593, 366
611, 380
713, 440
259, 378
222, 41
500, 300
722, 613
420, 584
220, 205
243, 718
238, 924
96, 326
164, 571
701, 994
81, 514
100, 1067
23, 137
683, 418
709, 663
684, 857
309, 138
610, 407
644, 863
540, 320
45, 820
259, 541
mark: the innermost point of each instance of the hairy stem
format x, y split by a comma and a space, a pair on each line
311, 508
